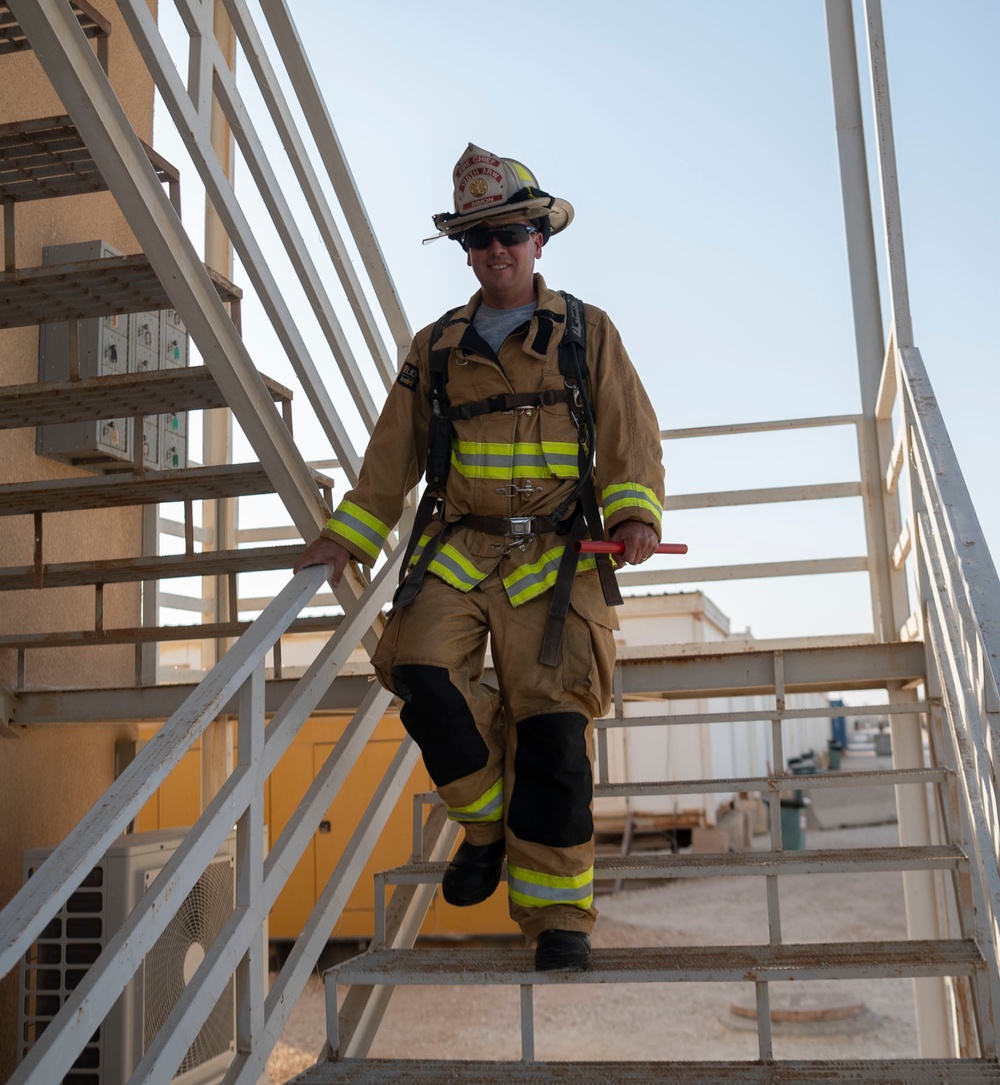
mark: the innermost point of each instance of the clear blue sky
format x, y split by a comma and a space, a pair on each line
696, 142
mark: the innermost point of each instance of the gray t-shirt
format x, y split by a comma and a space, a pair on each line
494, 325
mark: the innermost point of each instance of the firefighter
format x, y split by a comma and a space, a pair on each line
515, 430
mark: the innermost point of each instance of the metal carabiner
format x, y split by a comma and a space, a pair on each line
512, 490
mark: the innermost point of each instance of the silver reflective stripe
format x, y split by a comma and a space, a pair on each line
564, 894
541, 575
485, 813
446, 564
616, 496
563, 459
359, 527
471, 462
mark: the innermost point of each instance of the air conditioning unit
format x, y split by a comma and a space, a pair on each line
69, 945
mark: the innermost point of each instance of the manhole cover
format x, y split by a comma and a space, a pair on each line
802, 1011
803, 1006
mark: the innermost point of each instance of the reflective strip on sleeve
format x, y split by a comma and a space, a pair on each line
532, 889
476, 459
488, 807
367, 532
630, 495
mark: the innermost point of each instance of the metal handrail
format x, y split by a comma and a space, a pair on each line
238, 801
959, 603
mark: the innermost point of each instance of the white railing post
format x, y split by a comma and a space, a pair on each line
868, 333
251, 972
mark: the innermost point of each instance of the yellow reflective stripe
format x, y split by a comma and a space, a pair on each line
563, 458
494, 459
531, 580
455, 569
352, 522
488, 807
630, 495
532, 889
418, 548
476, 459
534, 579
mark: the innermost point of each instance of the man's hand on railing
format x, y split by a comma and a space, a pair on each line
324, 552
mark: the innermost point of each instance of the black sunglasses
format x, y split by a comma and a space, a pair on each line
481, 237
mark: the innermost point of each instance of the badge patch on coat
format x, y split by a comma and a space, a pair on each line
408, 376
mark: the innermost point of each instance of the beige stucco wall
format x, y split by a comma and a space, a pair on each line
25, 93
51, 775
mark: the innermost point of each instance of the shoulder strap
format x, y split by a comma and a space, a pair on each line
574, 340
439, 358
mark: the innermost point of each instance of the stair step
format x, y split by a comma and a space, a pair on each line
764, 784
46, 157
725, 864
75, 574
88, 288
13, 38
806, 1072
122, 395
117, 490
721, 670
156, 634
658, 964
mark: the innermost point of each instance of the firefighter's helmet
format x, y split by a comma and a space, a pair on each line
493, 190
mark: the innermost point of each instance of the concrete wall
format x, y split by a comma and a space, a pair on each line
50, 776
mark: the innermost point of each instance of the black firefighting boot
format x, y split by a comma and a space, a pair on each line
567, 951
473, 874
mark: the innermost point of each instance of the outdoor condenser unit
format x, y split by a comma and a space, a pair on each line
57, 962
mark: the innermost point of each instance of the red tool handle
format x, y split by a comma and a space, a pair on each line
588, 546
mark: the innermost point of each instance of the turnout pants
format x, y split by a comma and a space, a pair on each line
514, 762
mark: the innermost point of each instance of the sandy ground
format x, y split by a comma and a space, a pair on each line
668, 1021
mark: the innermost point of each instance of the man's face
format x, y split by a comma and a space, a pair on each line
505, 271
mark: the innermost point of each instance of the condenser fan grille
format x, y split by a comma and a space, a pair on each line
172, 961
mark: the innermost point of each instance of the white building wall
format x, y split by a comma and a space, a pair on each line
695, 751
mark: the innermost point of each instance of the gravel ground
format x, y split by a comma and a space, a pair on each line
668, 1021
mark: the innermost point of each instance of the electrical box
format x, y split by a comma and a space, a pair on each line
134, 343
174, 354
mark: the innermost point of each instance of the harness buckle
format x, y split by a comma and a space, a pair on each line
520, 526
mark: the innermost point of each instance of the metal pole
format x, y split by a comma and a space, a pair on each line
899, 291
317, 116
888, 586
869, 336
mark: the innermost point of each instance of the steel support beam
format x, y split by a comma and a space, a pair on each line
300, 160
317, 116
868, 332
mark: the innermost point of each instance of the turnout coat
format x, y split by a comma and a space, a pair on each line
507, 464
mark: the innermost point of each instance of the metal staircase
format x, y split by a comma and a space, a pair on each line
934, 652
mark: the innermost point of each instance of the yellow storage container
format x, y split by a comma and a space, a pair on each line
178, 802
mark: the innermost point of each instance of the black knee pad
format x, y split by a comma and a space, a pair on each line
438, 719
553, 781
